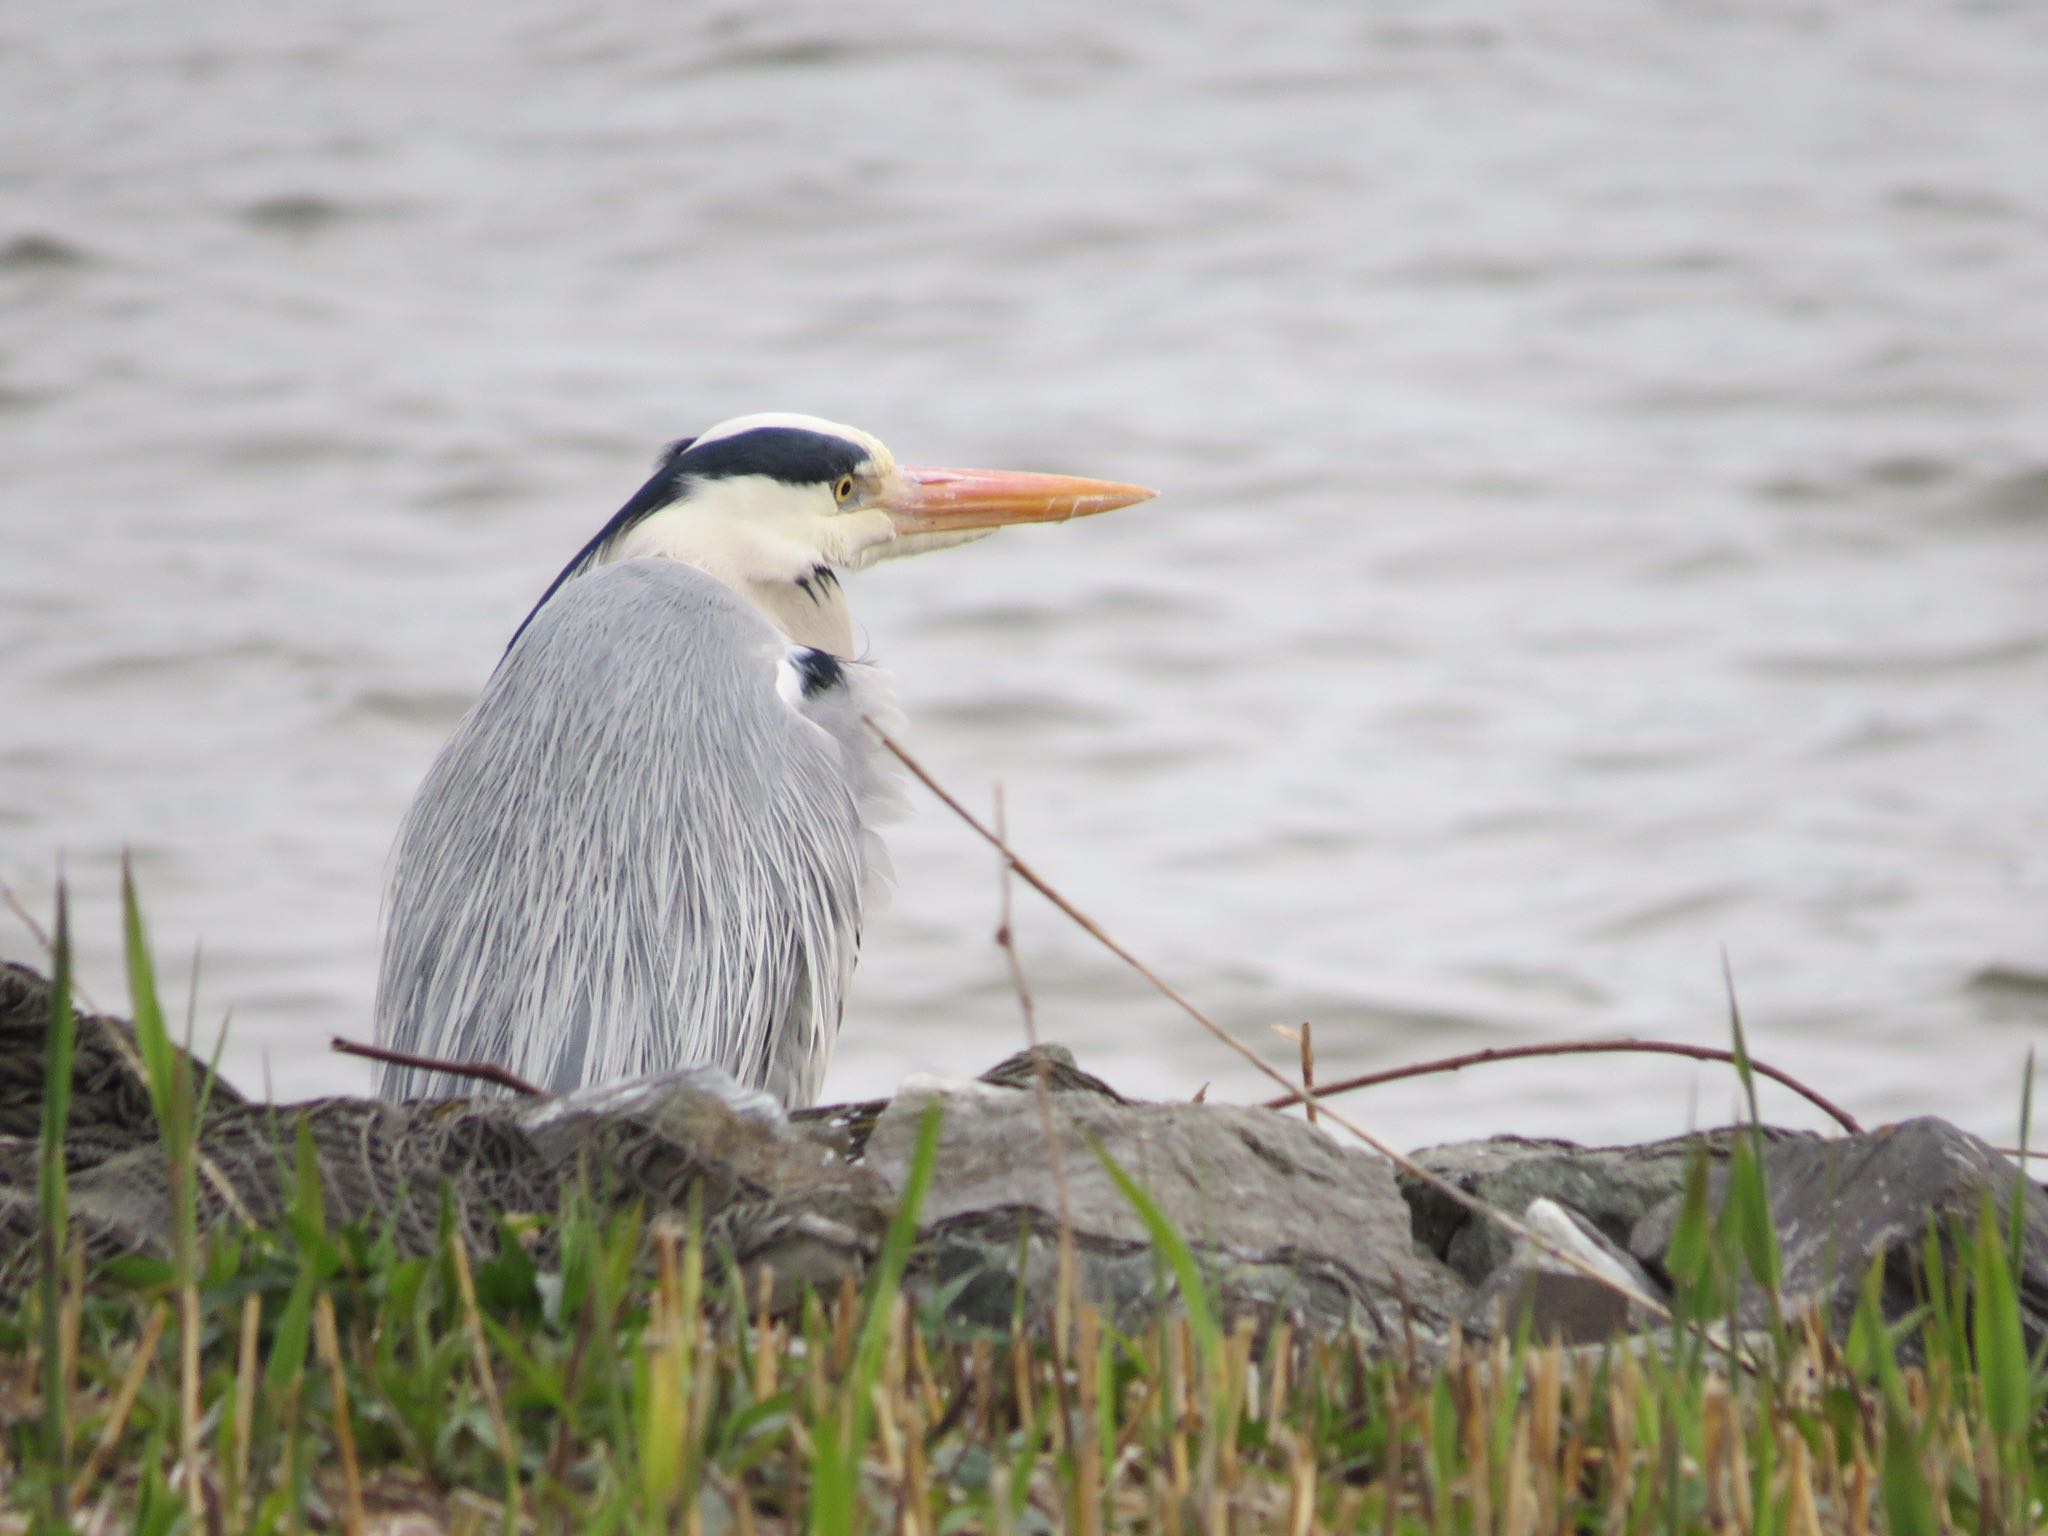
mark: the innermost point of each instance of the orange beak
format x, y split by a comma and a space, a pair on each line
964, 500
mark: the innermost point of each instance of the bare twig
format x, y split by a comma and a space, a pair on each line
124, 1399
482, 1071
245, 1400
479, 1351
28, 920
1006, 936
42, 938
1308, 1069
1180, 1000
328, 1339
1069, 1272
1847, 1121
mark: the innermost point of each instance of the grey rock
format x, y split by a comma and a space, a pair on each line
1563, 1304
110, 1109
1613, 1187
769, 1194
1840, 1206
1281, 1218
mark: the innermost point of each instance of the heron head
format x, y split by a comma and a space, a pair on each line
835, 495
767, 500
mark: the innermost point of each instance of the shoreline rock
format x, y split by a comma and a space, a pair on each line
1280, 1217
1284, 1220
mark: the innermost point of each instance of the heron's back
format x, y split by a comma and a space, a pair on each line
633, 854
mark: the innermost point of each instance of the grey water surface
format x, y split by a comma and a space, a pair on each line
1604, 524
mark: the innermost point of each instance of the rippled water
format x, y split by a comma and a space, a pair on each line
1604, 444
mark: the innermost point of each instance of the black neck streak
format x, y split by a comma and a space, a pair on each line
816, 585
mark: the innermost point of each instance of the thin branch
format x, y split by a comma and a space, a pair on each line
42, 938
28, 920
1006, 937
1055, 1155
1308, 1068
482, 1071
124, 1400
1841, 1116
1179, 999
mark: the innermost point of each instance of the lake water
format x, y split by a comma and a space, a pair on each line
1604, 521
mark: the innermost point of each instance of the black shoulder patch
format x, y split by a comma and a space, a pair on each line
818, 670
791, 454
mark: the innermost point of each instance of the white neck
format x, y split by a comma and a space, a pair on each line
767, 542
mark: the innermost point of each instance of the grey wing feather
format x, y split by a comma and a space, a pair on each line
636, 852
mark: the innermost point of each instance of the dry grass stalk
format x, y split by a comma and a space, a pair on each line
480, 1358
143, 1357
1066, 1292
483, 1071
188, 1395
1308, 1069
769, 1338
1499, 1053
244, 1416
329, 1344
845, 1315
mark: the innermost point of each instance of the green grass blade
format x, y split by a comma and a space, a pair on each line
896, 1246
2016, 1233
1748, 1210
2000, 1342
1689, 1257
152, 1035
54, 1202
1740, 1048
1908, 1500
1019, 1486
1868, 1348
307, 1215
1748, 1204
306, 1220
284, 1371
1194, 1291
836, 1468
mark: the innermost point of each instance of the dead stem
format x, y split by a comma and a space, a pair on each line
1067, 1293
482, 1071
1841, 1116
42, 938
1006, 936
328, 1340
124, 1400
480, 1357
1308, 1069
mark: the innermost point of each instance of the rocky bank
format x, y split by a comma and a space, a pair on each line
1284, 1218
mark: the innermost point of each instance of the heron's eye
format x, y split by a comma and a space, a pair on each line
843, 491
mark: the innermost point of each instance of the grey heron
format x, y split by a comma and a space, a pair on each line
648, 843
